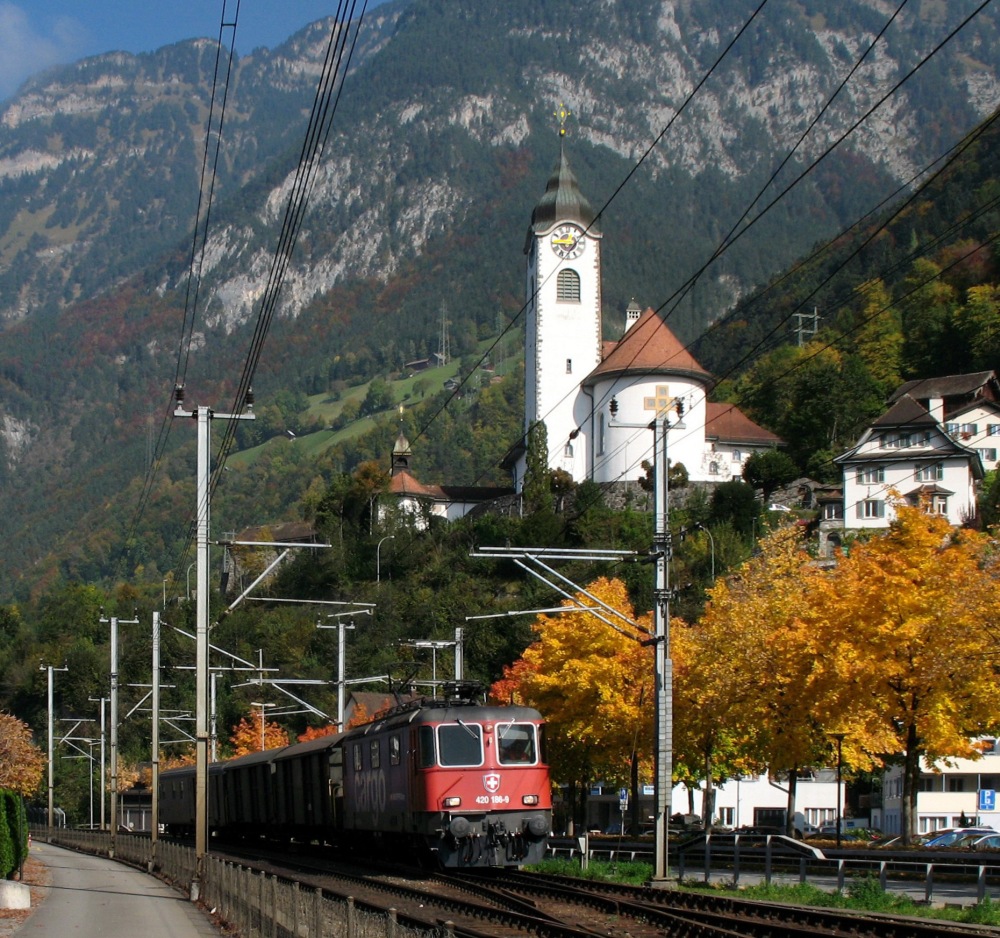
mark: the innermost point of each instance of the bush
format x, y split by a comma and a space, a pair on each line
13, 833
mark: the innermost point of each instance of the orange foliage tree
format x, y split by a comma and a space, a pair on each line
316, 732
21, 761
594, 686
901, 641
741, 697
246, 737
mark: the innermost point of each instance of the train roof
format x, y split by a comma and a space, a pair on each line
442, 712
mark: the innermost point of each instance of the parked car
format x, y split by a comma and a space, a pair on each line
986, 842
958, 836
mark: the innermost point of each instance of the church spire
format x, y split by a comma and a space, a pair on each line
562, 199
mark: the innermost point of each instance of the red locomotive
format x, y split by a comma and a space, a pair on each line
458, 783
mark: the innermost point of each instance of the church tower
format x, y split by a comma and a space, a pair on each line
563, 316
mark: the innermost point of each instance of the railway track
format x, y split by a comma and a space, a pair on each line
669, 907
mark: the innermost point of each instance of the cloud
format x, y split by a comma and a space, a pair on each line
24, 50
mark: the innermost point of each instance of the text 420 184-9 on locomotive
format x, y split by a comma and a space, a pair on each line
453, 782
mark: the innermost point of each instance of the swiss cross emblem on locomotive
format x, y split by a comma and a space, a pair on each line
491, 782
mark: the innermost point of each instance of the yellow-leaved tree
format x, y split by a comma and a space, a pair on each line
254, 733
594, 686
741, 702
902, 644
21, 761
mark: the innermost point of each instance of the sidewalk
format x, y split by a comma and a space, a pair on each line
92, 897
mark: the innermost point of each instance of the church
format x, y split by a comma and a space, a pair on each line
598, 398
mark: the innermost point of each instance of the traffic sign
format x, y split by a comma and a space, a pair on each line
987, 799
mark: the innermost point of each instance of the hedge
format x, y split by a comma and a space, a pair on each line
13, 833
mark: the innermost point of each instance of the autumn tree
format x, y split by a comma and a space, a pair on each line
593, 683
21, 761
901, 643
740, 700
317, 732
255, 733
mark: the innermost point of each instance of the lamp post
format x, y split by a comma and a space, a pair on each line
263, 708
378, 556
840, 762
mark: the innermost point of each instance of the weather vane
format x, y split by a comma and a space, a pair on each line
561, 116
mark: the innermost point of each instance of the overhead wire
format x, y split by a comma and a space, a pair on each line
340, 48
199, 239
734, 236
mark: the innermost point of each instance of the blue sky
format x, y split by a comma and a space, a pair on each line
35, 34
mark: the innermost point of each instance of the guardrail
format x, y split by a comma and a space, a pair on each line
256, 904
770, 857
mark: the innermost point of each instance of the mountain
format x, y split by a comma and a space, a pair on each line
442, 140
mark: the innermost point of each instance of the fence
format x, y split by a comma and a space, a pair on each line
732, 858
256, 904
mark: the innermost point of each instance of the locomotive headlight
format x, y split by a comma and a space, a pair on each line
453, 802
529, 799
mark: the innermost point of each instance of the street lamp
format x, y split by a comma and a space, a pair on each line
263, 707
378, 558
840, 761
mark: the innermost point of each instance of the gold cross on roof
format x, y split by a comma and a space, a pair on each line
662, 402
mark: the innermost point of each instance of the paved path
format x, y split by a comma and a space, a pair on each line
92, 897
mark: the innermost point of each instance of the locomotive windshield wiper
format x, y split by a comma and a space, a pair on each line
504, 728
468, 729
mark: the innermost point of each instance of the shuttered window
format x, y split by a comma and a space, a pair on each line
568, 286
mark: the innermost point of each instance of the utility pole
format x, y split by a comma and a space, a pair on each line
663, 734
51, 815
154, 827
204, 417
104, 772
114, 621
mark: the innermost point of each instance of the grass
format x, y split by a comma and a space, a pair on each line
864, 894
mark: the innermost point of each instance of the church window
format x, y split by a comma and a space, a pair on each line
568, 286
737, 456
600, 433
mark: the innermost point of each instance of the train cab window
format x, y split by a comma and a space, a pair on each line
426, 742
376, 754
516, 743
460, 744
357, 757
394, 750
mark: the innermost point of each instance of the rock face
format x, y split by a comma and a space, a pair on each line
442, 140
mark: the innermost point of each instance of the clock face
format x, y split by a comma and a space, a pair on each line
568, 242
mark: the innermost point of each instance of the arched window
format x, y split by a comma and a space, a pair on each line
568, 286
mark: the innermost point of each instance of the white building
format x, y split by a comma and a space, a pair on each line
908, 451
743, 802
571, 375
968, 406
957, 794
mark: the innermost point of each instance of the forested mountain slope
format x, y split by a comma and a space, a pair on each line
443, 138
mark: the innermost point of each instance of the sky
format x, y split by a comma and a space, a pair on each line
35, 34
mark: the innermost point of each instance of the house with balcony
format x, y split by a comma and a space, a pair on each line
909, 451
967, 406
